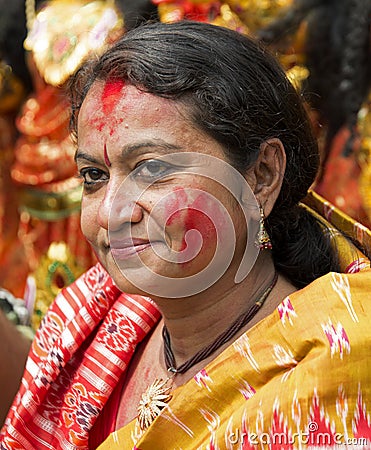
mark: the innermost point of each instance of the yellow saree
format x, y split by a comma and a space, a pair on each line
298, 379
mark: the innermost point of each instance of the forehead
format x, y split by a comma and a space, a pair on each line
119, 98
117, 115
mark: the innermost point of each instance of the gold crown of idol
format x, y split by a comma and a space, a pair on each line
64, 33
256, 14
246, 16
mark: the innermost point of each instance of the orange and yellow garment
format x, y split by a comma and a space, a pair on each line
299, 377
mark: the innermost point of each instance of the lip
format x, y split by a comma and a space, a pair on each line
125, 248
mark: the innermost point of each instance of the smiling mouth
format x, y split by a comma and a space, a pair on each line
123, 249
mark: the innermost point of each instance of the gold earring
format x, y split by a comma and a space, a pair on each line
263, 240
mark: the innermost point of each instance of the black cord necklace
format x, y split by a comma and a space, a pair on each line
224, 337
159, 393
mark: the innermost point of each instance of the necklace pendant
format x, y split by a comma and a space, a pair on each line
153, 400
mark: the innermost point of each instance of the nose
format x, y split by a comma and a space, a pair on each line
118, 208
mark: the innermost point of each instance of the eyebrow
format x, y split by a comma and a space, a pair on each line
79, 154
162, 146
158, 144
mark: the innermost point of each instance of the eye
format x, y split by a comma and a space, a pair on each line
153, 169
92, 176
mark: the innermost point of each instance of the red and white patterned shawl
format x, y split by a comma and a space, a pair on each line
78, 357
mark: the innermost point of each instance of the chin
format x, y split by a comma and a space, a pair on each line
127, 287
152, 278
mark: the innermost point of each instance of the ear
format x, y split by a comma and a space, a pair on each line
266, 176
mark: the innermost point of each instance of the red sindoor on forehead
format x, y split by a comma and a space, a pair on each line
106, 158
111, 94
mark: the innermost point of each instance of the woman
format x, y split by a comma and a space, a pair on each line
190, 135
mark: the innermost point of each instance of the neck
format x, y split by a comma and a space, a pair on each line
195, 322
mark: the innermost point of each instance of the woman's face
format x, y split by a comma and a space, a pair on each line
154, 207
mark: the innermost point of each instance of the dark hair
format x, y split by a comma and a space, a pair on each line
338, 56
239, 95
136, 12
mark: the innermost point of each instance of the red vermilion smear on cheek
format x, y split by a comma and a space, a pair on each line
175, 204
199, 216
196, 215
111, 95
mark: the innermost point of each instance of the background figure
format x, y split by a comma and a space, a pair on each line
14, 84
60, 37
337, 53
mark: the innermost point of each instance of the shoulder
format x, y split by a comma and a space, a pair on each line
322, 327
336, 304
343, 294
